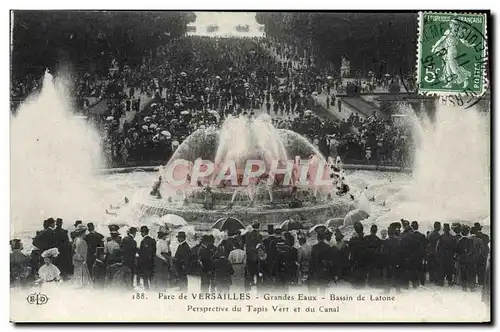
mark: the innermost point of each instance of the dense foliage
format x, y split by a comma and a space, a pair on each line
369, 41
85, 38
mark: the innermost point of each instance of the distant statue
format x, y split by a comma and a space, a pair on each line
209, 199
156, 188
345, 67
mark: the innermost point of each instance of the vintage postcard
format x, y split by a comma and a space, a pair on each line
250, 167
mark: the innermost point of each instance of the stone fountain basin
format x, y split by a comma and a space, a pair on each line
316, 214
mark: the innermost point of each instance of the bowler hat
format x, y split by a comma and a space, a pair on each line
477, 226
181, 234
144, 229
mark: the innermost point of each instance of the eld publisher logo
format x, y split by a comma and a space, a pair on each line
37, 298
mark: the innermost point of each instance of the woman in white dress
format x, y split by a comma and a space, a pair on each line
49, 274
238, 259
81, 275
163, 258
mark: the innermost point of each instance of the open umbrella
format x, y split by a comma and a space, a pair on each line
110, 118
355, 216
228, 224
290, 225
166, 133
173, 220
317, 228
184, 112
334, 222
308, 112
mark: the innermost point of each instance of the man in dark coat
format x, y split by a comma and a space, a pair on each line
409, 256
480, 255
206, 255
481, 268
391, 255
445, 254
420, 244
373, 249
319, 268
145, 261
99, 269
46, 238
94, 240
128, 247
431, 251
182, 259
357, 250
63, 261
276, 240
252, 239
467, 260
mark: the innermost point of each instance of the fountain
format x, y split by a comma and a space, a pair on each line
241, 139
54, 155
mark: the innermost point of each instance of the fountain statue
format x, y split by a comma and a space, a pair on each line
272, 195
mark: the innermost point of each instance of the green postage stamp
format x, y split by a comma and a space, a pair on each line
452, 56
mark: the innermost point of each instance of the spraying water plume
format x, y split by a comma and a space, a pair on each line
53, 157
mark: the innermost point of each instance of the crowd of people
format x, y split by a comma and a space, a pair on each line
398, 257
195, 82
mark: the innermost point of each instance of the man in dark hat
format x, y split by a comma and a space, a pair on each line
147, 253
420, 252
432, 240
409, 255
319, 268
445, 255
251, 240
467, 260
206, 255
99, 269
480, 254
129, 250
94, 240
358, 249
374, 264
391, 254
267, 241
481, 268
46, 238
63, 261
182, 259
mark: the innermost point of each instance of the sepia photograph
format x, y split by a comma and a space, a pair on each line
250, 167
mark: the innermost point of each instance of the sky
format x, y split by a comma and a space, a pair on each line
227, 21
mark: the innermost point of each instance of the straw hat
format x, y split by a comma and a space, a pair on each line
53, 252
